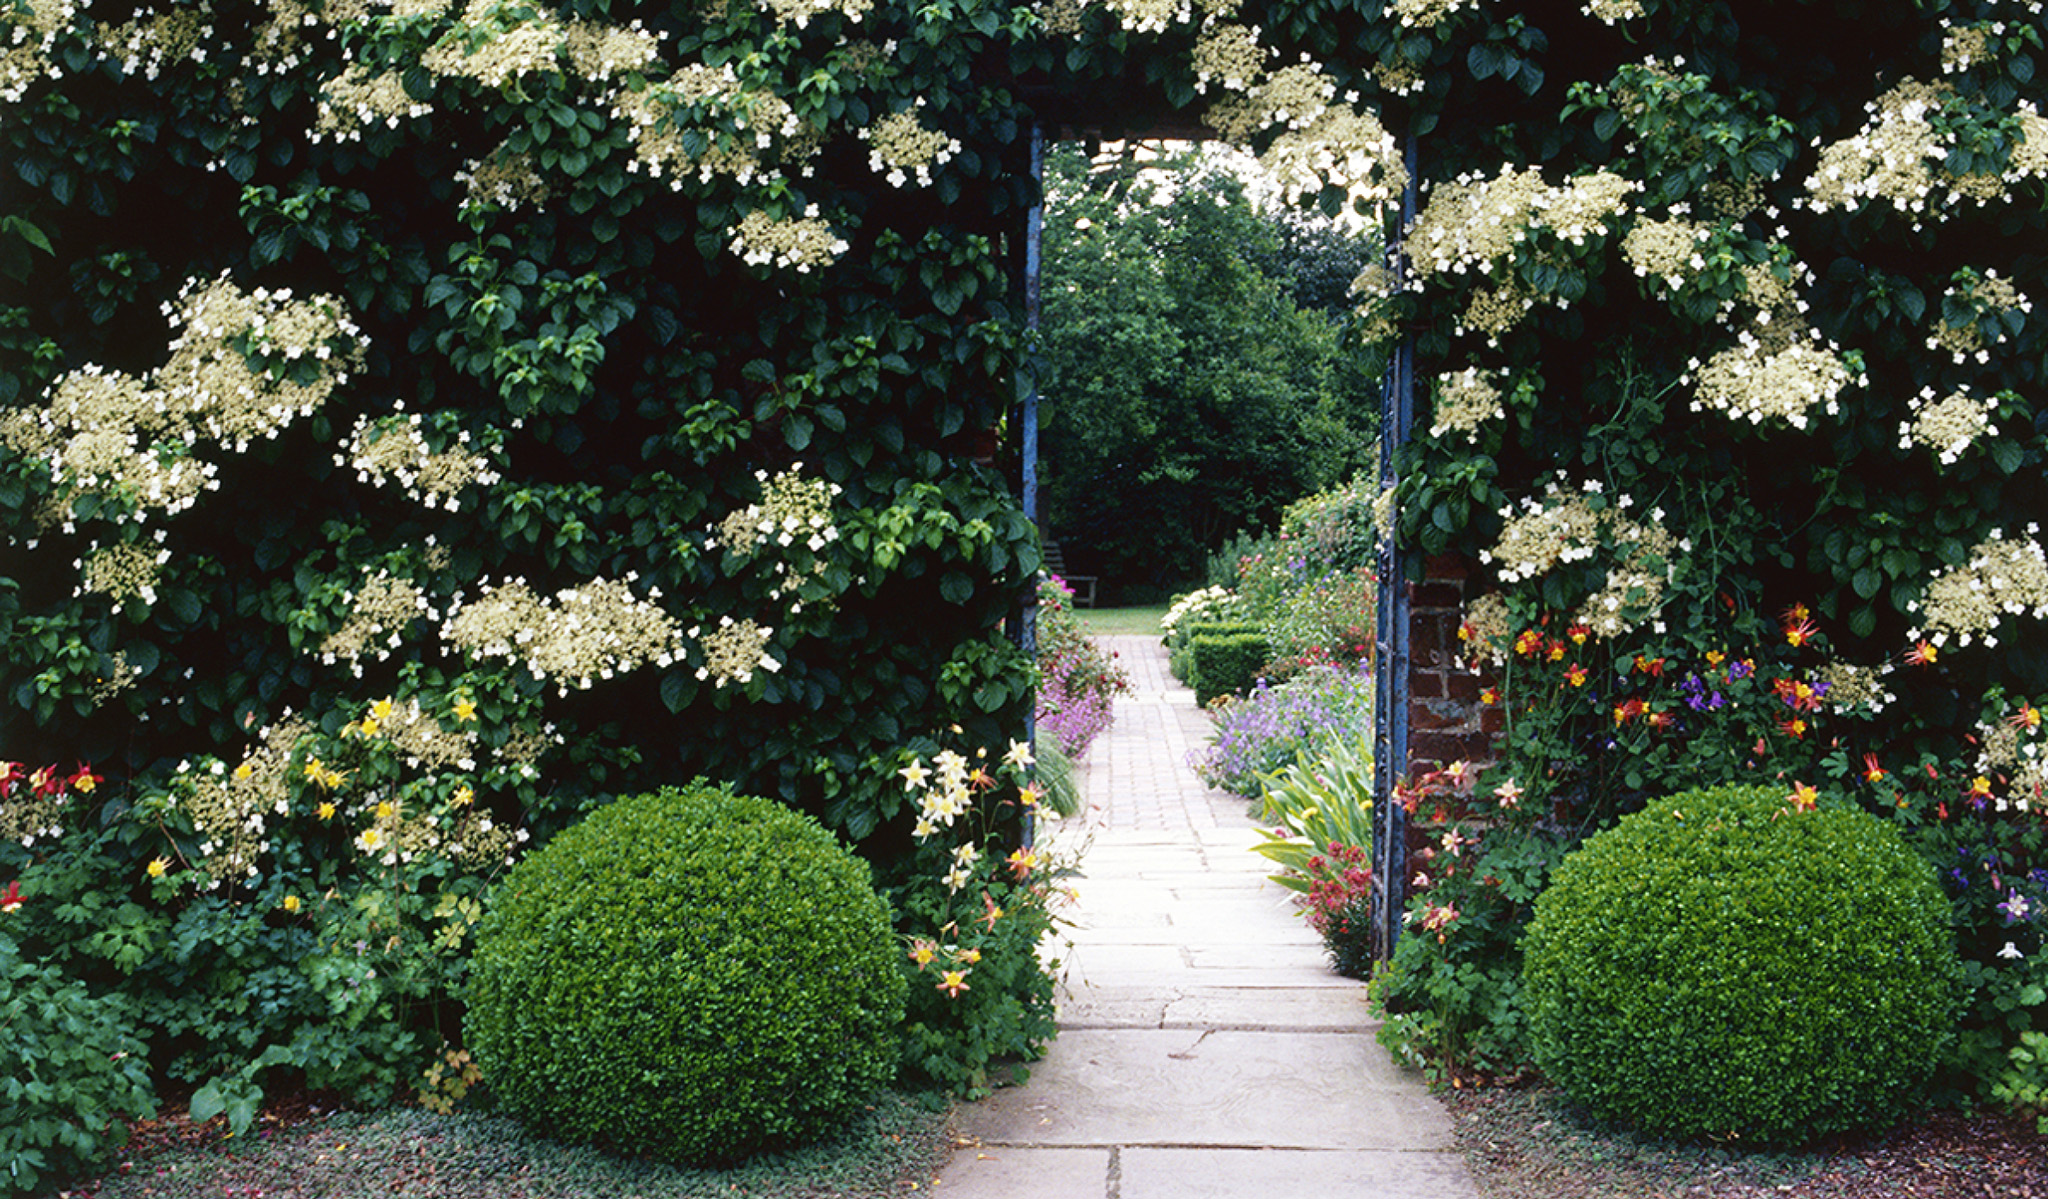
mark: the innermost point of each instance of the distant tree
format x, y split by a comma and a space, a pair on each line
1197, 376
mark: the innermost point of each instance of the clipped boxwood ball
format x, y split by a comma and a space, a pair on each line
689, 975
1722, 964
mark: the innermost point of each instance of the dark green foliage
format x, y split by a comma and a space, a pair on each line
689, 974
1180, 643
1723, 964
1196, 380
72, 1074
1227, 663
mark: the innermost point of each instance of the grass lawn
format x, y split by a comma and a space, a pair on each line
1098, 622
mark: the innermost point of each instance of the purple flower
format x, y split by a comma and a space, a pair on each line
2015, 908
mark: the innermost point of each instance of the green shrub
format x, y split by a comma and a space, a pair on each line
1227, 663
690, 975
71, 1073
1180, 639
1724, 963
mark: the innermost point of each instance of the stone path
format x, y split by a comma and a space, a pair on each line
1205, 1048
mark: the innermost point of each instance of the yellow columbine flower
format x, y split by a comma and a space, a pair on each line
157, 867
953, 982
465, 709
465, 795
327, 811
368, 726
244, 772
380, 711
384, 809
291, 903
315, 769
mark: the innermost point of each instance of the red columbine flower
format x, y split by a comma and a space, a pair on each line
46, 781
1660, 721
1021, 861
2028, 717
10, 774
1804, 797
1578, 633
1625, 712
1872, 772
1980, 788
10, 899
1490, 696
1796, 726
1799, 632
1654, 667
85, 780
1576, 676
953, 982
1530, 642
1557, 651
1921, 654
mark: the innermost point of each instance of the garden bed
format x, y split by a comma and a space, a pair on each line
1532, 1143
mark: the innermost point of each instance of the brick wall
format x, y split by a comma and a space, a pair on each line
1446, 722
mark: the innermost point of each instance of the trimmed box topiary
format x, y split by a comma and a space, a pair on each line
688, 975
1727, 964
1226, 663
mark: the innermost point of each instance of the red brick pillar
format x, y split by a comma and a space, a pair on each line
1446, 721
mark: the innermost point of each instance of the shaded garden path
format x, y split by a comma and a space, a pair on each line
1206, 1048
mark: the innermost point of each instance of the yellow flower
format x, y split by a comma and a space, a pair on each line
368, 727
371, 839
922, 952
158, 866
243, 772
314, 769
379, 711
970, 956
327, 811
291, 903
384, 809
465, 795
953, 982
465, 709
1804, 796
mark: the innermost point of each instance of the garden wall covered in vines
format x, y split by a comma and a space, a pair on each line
418, 421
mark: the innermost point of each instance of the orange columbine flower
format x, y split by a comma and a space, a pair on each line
1021, 861
953, 982
1530, 642
1436, 918
2028, 717
1576, 676
1466, 632
922, 952
1921, 654
1796, 726
990, 913
1980, 787
1872, 772
1804, 796
1654, 667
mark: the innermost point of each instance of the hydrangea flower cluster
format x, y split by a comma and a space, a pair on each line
1473, 223
1150, 16
1990, 301
800, 13
123, 571
1426, 14
133, 438
379, 612
232, 809
792, 510
1771, 372
1375, 288
1947, 426
2002, 577
393, 449
1227, 55
1465, 401
1322, 142
32, 27
497, 44
33, 802
1667, 250
586, 633
758, 119
360, 98
504, 179
1613, 12
2015, 748
1898, 156
900, 148
801, 242
733, 651
1563, 526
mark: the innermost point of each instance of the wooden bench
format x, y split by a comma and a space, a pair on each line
1082, 585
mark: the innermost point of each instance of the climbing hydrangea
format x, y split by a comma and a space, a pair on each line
734, 650
1465, 401
393, 450
1947, 426
379, 612
1774, 373
801, 242
900, 148
2002, 577
586, 633
1562, 526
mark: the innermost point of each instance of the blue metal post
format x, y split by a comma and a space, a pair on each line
1391, 683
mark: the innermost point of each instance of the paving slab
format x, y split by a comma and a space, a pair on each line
1206, 1047
1295, 1173
1180, 1087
